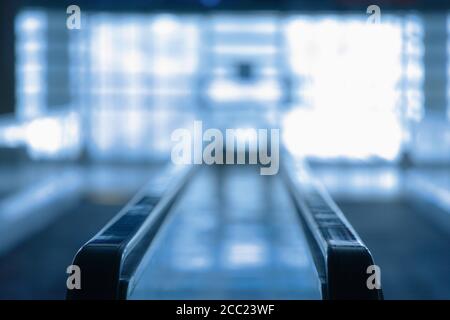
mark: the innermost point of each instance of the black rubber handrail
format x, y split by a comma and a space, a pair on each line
340, 256
109, 262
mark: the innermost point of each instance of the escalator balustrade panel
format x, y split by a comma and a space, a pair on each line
227, 232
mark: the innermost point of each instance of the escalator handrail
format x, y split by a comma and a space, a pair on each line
110, 260
340, 256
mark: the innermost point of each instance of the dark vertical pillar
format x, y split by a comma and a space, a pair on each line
7, 57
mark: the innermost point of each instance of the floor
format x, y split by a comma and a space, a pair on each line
35, 268
411, 250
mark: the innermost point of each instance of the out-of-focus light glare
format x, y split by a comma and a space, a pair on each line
162, 49
414, 71
414, 100
448, 68
133, 62
32, 46
328, 134
349, 88
163, 66
323, 51
222, 90
31, 89
259, 27
244, 49
165, 25
50, 137
134, 133
29, 79
53, 136
44, 135
31, 24
388, 180
30, 68
31, 64
30, 21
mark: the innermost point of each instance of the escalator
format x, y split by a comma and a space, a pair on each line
227, 232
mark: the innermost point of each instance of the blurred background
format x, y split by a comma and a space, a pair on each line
86, 117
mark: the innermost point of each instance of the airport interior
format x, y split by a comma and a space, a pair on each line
349, 100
